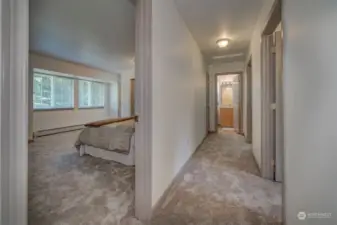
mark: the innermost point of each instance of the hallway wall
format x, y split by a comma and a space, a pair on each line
255, 51
310, 132
179, 95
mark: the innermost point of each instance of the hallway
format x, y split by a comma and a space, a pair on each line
220, 185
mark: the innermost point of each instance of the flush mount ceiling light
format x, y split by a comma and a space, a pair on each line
222, 43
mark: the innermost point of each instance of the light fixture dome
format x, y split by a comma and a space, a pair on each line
222, 43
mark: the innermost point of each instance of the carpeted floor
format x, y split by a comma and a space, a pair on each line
65, 189
220, 185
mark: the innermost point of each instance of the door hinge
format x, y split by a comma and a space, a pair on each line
273, 49
136, 118
273, 106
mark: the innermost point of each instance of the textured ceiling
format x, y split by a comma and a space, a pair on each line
210, 20
96, 33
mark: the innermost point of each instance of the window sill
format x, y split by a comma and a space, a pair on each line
53, 109
97, 107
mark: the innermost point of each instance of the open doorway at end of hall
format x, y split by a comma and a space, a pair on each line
228, 108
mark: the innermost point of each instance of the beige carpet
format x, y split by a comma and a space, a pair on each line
220, 185
65, 189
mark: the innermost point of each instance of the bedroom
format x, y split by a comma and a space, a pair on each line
81, 70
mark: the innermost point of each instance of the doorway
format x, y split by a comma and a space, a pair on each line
228, 101
272, 101
14, 65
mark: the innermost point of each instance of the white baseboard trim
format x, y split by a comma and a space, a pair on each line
42, 133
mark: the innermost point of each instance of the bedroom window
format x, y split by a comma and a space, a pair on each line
52, 92
91, 94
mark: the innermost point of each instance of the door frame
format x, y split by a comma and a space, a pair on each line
14, 65
241, 102
249, 102
207, 103
215, 94
279, 142
267, 137
14, 111
143, 109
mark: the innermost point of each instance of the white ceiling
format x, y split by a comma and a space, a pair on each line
96, 33
210, 20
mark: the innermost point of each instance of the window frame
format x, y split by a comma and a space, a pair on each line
90, 82
75, 90
59, 75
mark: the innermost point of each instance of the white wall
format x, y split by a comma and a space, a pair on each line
44, 120
228, 67
212, 71
255, 51
125, 92
310, 90
179, 95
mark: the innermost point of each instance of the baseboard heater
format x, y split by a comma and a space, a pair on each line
41, 133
